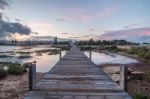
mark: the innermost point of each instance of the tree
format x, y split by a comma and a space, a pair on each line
91, 42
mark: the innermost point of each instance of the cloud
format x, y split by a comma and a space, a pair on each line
60, 19
131, 26
41, 27
42, 37
65, 33
78, 36
10, 28
134, 34
83, 14
92, 29
74, 37
3, 4
89, 35
107, 12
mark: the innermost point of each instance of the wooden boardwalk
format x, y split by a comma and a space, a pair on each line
76, 77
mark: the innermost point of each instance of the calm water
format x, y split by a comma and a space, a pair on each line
45, 62
102, 58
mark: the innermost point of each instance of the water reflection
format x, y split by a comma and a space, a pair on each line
102, 58
44, 61
109, 58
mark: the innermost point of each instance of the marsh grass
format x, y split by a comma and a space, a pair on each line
140, 96
49, 51
16, 69
19, 52
13, 68
3, 73
147, 76
24, 56
5, 56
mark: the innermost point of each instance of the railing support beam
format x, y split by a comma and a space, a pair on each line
123, 77
32, 76
60, 55
90, 55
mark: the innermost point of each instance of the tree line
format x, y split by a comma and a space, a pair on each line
104, 42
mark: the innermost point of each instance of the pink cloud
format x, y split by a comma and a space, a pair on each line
61, 19
107, 12
87, 15
65, 33
137, 34
146, 33
92, 29
41, 27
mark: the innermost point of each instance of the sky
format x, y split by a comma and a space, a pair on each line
84, 19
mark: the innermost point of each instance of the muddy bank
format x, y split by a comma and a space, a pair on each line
15, 86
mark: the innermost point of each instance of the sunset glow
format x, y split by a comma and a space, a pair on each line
83, 17
19, 37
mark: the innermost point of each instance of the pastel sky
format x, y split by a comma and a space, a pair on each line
84, 19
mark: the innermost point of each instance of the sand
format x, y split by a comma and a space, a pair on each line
15, 86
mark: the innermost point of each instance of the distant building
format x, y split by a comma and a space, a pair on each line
55, 40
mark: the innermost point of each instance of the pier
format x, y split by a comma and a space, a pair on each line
75, 76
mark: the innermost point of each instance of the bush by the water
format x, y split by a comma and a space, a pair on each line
147, 55
3, 73
140, 96
16, 69
26, 65
147, 76
85, 48
141, 52
112, 48
25, 56
49, 51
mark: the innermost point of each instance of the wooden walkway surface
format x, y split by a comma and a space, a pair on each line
76, 77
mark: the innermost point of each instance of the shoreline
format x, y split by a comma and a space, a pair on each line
16, 86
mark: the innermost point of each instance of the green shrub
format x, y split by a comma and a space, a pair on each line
147, 55
111, 48
140, 96
85, 48
133, 50
25, 56
147, 76
16, 69
26, 65
3, 73
19, 52
141, 53
49, 51
5, 56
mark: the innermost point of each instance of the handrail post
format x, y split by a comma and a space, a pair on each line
60, 55
90, 55
32, 75
123, 77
